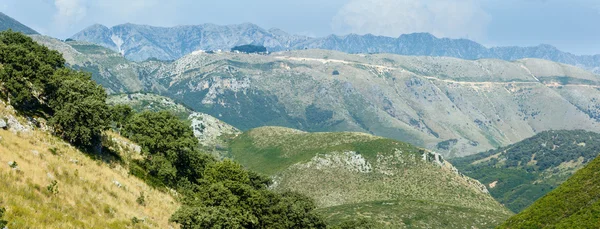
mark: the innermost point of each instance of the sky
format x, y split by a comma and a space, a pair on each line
570, 25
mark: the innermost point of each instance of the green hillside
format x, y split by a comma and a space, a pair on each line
574, 204
356, 175
519, 174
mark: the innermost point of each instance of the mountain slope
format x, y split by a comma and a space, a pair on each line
519, 174
574, 204
88, 193
7, 22
456, 107
140, 42
351, 174
108, 68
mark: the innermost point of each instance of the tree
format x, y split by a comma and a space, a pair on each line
79, 105
250, 49
120, 114
169, 146
229, 192
3, 223
25, 70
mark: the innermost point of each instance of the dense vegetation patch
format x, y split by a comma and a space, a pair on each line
35, 81
574, 204
250, 49
525, 171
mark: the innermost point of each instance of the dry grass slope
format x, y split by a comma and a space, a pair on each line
86, 194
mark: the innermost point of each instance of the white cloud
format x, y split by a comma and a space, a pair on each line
68, 12
442, 18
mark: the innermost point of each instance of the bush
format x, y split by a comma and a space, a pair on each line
141, 200
3, 222
52, 188
250, 49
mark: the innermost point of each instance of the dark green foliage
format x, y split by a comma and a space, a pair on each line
35, 81
316, 115
3, 222
445, 145
521, 181
141, 200
52, 188
229, 198
170, 148
81, 113
574, 204
25, 70
250, 49
120, 115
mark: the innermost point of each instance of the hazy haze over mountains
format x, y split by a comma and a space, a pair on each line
140, 42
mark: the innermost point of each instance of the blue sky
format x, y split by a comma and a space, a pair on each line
572, 25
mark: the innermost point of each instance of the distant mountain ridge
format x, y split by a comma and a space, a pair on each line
140, 42
7, 22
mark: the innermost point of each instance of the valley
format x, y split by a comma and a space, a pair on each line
211, 126
427, 101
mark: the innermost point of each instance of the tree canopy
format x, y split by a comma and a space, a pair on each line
250, 49
35, 81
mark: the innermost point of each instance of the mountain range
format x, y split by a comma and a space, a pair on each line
140, 42
453, 106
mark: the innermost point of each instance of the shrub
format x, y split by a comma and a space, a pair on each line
141, 200
3, 222
52, 188
250, 49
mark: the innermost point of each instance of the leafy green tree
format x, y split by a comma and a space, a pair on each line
79, 104
230, 192
170, 148
25, 70
250, 49
3, 223
120, 114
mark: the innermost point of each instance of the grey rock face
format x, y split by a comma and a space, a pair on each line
3, 124
141, 42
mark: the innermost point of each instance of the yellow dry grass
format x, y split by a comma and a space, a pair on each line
87, 195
